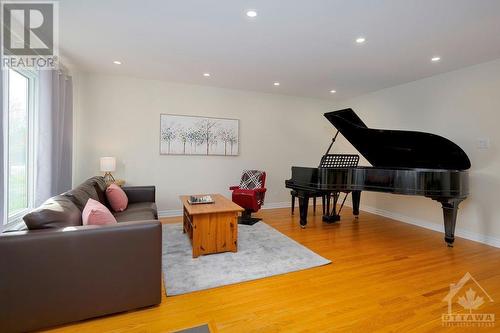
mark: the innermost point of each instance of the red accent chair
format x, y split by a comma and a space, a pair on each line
249, 195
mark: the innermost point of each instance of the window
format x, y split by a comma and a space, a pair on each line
20, 93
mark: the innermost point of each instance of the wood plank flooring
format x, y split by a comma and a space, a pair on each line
386, 276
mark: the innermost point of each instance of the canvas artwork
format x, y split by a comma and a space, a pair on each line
189, 135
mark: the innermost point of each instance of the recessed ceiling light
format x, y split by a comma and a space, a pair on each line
333, 91
206, 74
360, 40
116, 62
276, 84
435, 59
251, 13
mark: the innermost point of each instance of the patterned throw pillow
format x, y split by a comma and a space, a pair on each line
251, 179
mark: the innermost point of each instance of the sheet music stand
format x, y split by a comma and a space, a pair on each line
339, 161
336, 161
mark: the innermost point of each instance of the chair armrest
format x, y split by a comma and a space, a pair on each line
232, 188
261, 190
140, 193
56, 276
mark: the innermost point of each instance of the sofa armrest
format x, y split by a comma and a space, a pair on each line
140, 193
52, 277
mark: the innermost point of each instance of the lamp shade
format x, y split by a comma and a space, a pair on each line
108, 164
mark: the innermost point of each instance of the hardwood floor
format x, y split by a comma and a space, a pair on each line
386, 276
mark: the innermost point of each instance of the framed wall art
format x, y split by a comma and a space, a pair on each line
191, 135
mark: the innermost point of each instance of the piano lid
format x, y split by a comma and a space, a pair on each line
398, 149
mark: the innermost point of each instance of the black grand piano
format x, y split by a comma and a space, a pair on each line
403, 162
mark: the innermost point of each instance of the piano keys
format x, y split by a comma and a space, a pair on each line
403, 162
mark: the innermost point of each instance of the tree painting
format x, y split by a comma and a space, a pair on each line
187, 135
168, 134
183, 135
207, 128
233, 141
194, 138
229, 138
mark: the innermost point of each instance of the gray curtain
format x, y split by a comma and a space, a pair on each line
55, 135
2, 156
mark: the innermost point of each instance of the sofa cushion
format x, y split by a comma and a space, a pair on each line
138, 215
100, 188
95, 213
143, 206
99, 181
101, 195
57, 212
117, 198
81, 194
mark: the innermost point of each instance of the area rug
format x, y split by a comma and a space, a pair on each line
262, 251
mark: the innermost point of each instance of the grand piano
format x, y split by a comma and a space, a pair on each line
403, 162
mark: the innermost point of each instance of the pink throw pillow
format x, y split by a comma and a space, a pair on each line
117, 198
95, 213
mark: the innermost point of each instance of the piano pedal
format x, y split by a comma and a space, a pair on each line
331, 218
302, 226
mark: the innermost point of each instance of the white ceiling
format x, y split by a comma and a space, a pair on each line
308, 46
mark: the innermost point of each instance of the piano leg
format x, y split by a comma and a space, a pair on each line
303, 206
356, 198
450, 209
327, 198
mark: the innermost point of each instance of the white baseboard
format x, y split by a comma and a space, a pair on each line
463, 233
274, 205
459, 232
170, 213
178, 212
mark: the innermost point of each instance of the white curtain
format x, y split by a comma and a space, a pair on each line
55, 135
2, 156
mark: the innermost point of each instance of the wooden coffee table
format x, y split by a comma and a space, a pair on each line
212, 228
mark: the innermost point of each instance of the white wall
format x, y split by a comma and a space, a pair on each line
120, 116
462, 106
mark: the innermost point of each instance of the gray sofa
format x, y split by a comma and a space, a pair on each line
59, 271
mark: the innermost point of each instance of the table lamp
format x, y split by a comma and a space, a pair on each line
108, 165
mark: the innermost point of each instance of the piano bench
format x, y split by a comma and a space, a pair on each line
312, 195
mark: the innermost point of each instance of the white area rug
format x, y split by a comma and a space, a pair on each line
262, 251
